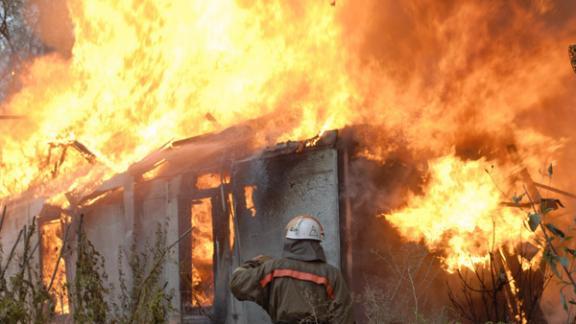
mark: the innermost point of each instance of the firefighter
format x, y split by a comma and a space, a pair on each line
300, 287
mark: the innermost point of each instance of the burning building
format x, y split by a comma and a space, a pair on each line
426, 98
220, 201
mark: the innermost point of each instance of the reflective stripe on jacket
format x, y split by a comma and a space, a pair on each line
294, 291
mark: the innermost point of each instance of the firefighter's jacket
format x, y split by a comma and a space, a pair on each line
298, 288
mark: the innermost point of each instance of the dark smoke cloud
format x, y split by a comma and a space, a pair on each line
484, 67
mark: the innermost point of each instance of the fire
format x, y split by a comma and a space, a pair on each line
140, 74
460, 215
231, 222
202, 254
434, 74
143, 73
249, 199
53, 268
211, 180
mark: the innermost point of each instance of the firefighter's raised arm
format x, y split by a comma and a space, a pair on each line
245, 283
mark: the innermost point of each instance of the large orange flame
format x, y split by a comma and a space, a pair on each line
53, 267
143, 73
461, 215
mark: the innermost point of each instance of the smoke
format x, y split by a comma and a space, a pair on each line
53, 25
470, 77
444, 71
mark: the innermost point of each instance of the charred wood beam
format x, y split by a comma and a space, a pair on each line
558, 191
523, 174
545, 203
86, 153
3, 217
81, 148
60, 255
532, 187
513, 204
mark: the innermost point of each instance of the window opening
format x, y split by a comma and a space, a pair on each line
202, 254
51, 248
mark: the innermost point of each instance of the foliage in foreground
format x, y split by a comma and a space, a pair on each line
24, 297
89, 291
147, 300
407, 296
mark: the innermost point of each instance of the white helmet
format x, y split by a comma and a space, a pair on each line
304, 227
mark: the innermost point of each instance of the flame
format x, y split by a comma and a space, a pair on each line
211, 180
249, 199
435, 74
154, 171
231, 222
51, 266
515, 304
142, 73
460, 215
202, 254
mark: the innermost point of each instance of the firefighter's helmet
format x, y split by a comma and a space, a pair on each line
304, 227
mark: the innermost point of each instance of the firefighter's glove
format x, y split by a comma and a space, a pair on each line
256, 261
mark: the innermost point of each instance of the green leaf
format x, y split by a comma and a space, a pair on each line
563, 261
552, 259
572, 302
534, 220
563, 299
555, 230
555, 270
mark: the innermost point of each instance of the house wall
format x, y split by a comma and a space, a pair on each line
156, 208
285, 186
133, 214
18, 215
106, 227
